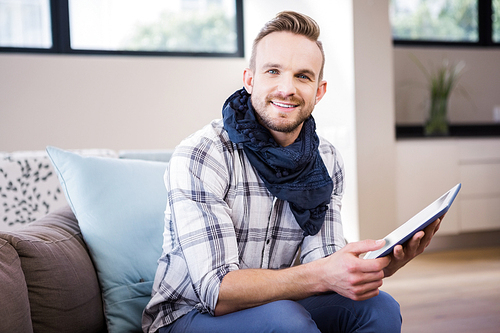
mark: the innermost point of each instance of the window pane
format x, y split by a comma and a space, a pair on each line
496, 21
435, 20
25, 23
154, 25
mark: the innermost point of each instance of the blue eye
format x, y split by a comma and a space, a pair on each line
273, 71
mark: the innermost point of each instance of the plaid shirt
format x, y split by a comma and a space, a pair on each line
220, 217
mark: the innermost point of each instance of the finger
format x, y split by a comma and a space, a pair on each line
362, 279
434, 224
419, 235
373, 277
399, 253
437, 226
412, 247
366, 291
415, 241
369, 295
375, 265
358, 248
430, 231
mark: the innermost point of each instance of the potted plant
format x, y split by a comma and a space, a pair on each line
441, 82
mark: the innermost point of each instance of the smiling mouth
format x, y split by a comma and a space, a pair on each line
284, 105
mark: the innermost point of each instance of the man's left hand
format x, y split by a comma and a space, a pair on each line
415, 246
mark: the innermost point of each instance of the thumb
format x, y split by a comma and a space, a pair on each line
364, 246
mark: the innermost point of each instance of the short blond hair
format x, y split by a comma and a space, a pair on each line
296, 23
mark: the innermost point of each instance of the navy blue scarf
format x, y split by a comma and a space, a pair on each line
295, 173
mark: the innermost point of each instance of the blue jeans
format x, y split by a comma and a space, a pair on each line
324, 313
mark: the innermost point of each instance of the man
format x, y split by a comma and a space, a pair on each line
246, 192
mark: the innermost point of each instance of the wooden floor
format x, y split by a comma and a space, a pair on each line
453, 291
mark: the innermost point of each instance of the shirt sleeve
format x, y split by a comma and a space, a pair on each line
331, 237
197, 182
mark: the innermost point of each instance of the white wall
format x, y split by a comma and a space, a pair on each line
109, 101
376, 149
153, 103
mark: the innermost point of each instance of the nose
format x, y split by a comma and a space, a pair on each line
286, 85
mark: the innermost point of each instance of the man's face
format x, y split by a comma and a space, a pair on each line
284, 83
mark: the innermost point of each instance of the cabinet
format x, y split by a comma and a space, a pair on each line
479, 166
426, 168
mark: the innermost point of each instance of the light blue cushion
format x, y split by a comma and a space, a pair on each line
119, 205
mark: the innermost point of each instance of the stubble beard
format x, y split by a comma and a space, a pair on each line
286, 123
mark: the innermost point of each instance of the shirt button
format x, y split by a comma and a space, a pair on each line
268, 241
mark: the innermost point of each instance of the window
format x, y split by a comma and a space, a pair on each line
146, 27
496, 21
25, 23
445, 22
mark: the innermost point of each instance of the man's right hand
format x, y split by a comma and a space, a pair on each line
350, 276
343, 272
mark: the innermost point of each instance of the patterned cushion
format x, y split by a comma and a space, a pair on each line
29, 188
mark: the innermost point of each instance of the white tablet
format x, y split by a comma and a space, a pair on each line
418, 222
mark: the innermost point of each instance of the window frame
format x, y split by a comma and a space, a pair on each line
485, 32
60, 29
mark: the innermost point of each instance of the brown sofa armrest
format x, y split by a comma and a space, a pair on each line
14, 303
63, 289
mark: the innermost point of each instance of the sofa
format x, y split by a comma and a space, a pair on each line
88, 264
49, 283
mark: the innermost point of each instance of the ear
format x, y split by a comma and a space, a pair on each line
321, 91
248, 80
